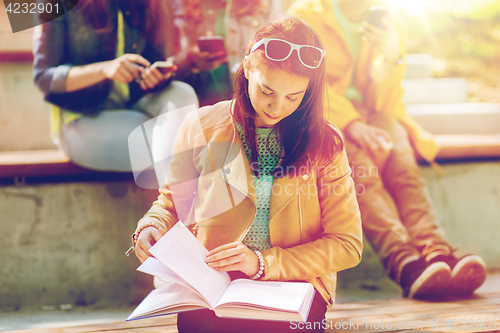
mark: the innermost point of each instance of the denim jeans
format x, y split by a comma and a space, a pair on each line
206, 321
102, 142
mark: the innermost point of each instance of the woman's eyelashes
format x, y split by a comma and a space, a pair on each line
272, 93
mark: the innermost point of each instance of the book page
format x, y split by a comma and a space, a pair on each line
153, 266
180, 251
286, 296
168, 298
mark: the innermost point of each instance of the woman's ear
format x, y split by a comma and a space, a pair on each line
246, 65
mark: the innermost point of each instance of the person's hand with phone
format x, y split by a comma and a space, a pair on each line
126, 68
205, 60
382, 33
156, 74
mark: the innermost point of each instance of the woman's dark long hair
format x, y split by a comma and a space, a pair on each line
151, 16
305, 134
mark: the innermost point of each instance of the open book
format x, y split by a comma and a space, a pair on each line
179, 259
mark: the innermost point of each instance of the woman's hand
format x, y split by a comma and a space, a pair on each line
147, 238
151, 77
126, 68
233, 257
386, 40
376, 141
206, 61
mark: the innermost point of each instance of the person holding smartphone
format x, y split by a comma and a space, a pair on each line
102, 68
263, 181
202, 26
365, 67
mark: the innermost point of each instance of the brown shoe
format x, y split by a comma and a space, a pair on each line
424, 280
467, 273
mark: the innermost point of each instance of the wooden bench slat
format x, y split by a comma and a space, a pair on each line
54, 162
468, 146
393, 311
38, 163
33, 157
156, 324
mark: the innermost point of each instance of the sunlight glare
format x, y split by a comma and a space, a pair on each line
410, 7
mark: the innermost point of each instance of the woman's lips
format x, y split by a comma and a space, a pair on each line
271, 117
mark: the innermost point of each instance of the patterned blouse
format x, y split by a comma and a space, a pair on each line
269, 148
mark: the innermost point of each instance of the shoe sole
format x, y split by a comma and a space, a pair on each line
467, 275
433, 282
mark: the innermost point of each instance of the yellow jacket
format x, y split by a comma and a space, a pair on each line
314, 219
378, 81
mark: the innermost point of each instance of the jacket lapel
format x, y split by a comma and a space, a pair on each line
236, 162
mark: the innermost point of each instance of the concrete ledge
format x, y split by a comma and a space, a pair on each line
427, 90
458, 118
418, 66
467, 147
37, 163
65, 243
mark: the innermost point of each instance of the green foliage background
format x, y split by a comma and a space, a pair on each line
464, 38
464, 35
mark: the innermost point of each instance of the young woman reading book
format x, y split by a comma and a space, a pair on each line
263, 180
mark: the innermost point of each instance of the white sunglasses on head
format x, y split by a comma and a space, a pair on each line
279, 50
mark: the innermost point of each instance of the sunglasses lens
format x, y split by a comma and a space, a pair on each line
310, 56
277, 49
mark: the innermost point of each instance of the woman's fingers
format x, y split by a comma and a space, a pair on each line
141, 251
134, 69
155, 73
225, 251
153, 77
150, 79
206, 61
147, 238
223, 263
233, 257
223, 247
137, 59
120, 77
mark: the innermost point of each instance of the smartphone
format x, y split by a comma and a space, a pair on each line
164, 67
376, 14
212, 44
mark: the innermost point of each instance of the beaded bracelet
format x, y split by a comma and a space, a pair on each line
138, 231
261, 266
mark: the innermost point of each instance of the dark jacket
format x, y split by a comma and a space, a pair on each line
70, 41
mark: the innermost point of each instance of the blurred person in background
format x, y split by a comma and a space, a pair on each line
365, 66
94, 66
234, 20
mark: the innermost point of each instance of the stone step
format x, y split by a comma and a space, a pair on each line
428, 90
458, 118
418, 66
